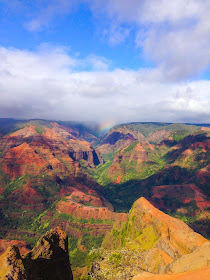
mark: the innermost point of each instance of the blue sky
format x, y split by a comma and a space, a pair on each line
105, 60
79, 30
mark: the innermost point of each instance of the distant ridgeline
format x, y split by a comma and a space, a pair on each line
68, 174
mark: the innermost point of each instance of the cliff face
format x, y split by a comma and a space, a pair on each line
48, 260
116, 141
54, 149
85, 206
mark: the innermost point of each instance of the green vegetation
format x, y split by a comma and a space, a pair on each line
79, 256
39, 129
147, 128
131, 147
147, 238
100, 172
118, 264
90, 241
71, 218
14, 185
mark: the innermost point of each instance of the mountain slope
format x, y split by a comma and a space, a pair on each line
140, 167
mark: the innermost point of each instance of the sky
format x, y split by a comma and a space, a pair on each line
105, 60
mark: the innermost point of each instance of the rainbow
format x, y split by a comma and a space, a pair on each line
104, 127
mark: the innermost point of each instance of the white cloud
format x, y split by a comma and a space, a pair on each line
173, 34
116, 34
98, 63
47, 84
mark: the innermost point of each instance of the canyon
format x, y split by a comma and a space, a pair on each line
68, 175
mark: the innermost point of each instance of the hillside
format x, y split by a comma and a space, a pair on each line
166, 163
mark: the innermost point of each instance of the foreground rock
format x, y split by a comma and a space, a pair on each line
194, 261
48, 260
201, 274
157, 239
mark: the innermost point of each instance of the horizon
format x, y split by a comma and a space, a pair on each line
100, 124
105, 61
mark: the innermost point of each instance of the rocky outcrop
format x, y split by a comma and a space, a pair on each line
137, 155
48, 260
21, 160
115, 141
11, 265
196, 260
158, 238
88, 206
132, 161
116, 136
158, 136
92, 156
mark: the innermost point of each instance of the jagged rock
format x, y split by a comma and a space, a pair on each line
48, 260
11, 265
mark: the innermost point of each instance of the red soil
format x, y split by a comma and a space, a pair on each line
82, 198
26, 195
118, 180
21, 160
53, 135
184, 193
87, 212
24, 132
22, 245
205, 128
77, 230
